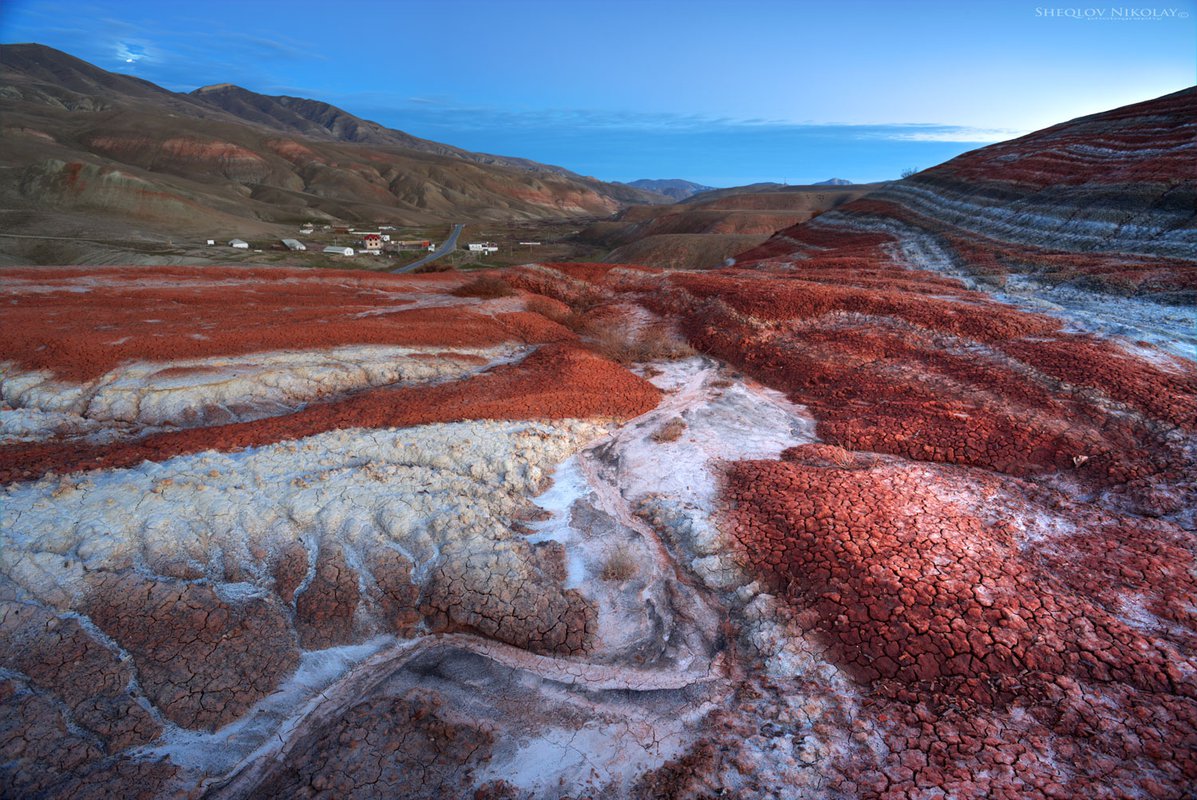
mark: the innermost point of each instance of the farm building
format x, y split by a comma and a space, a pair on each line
294, 244
336, 249
240, 244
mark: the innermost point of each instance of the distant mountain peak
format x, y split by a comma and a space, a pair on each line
675, 188
833, 182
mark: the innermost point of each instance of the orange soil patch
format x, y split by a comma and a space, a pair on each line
555, 382
82, 324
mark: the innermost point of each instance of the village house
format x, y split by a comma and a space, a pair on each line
240, 244
372, 242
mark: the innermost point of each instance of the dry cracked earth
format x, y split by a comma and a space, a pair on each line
852, 518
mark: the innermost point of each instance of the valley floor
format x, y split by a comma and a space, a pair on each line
839, 525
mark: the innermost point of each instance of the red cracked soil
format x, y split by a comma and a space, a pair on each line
996, 666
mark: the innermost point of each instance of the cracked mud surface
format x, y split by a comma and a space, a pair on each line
272, 533
847, 552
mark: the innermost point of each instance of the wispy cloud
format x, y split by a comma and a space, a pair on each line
444, 113
947, 133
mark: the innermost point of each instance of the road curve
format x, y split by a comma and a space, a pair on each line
448, 247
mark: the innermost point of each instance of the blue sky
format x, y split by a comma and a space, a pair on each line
723, 93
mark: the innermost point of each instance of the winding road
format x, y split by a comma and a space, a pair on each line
448, 247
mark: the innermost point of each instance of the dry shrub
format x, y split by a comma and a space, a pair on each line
670, 432
548, 308
610, 339
619, 566
841, 457
576, 322
485, 286
434, 266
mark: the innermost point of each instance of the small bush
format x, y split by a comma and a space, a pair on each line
486, 287
670, 432
434, 266
625, 347
548, 308
576, 322
618, 567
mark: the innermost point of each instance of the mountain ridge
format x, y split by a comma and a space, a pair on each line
80, 140
675, 188
1104, 202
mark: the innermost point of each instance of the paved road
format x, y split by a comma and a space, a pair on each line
448, 247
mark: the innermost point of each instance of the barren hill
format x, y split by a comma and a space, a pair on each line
674, 188
707, 228
1106, 202
84, 148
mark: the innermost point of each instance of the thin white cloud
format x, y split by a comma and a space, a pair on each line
963, 135
132, 52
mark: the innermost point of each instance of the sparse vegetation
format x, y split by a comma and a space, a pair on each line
486, 286
618, 567
670, 432
613, 340
434, 266
548, 308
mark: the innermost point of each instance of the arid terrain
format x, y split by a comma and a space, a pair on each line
707, 229
902, 504
94, 165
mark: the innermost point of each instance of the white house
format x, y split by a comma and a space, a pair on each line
294, 244
482, 247
211, 242
240, 244
337, 250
